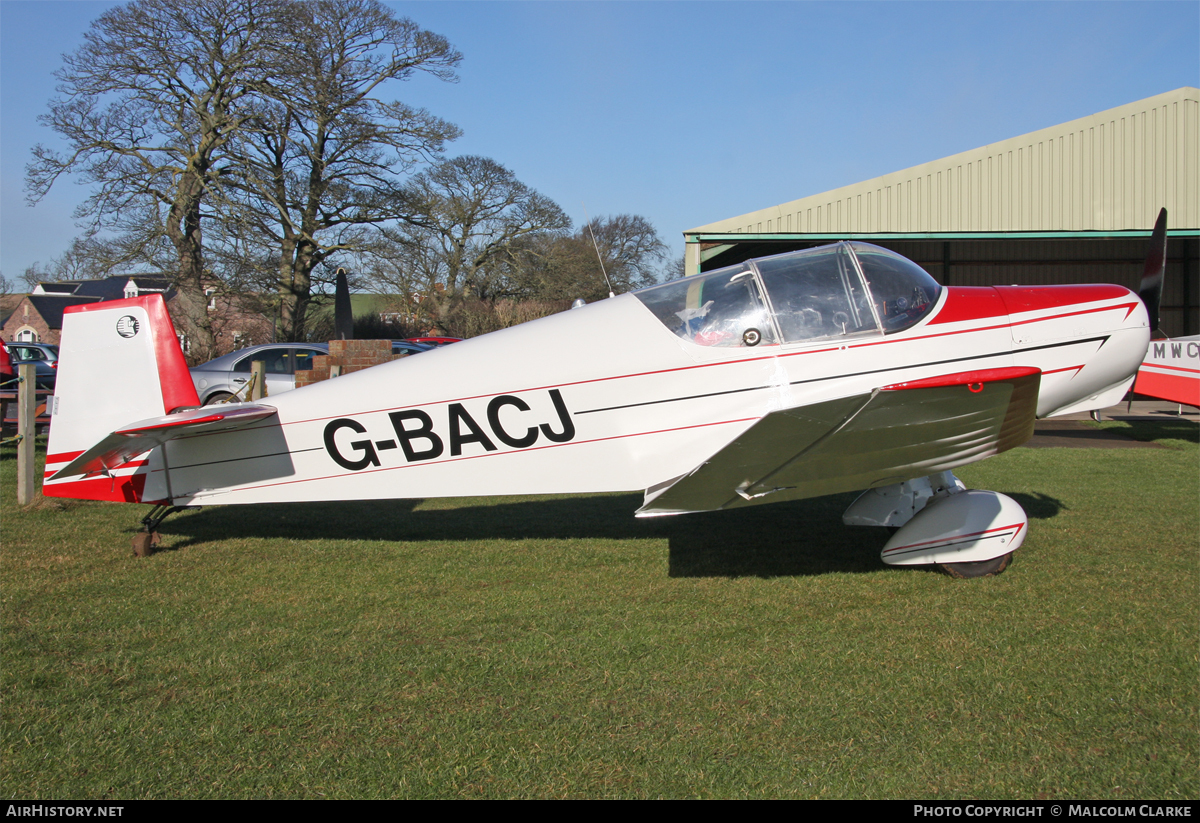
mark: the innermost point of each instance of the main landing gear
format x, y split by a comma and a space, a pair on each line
968, 533
984, 568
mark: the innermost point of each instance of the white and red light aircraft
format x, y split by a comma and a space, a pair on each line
1171, 371
809, 373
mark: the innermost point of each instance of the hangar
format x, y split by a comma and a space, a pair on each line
1072, 203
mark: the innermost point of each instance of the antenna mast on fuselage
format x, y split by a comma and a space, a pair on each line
596, 246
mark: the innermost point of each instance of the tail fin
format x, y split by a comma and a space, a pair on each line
118, 361
1156, 265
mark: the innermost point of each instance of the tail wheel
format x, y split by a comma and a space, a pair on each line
981, 568
145, 543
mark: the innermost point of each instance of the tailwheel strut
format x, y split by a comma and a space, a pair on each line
146, 540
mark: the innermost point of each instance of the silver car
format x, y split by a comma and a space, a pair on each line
43, 356
219, 379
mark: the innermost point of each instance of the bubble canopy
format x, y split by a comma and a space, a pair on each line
843, 290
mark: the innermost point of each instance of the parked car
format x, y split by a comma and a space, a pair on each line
8, 371
224, 376
43, 356
217, 380
435, 341
409, 347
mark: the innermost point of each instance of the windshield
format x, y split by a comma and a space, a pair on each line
842, 290
902, 291
817, 293
720, 308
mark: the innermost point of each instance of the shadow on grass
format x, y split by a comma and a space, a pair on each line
797, 538
1154, 429
804, 537
800, 538
8, 451
1038, 506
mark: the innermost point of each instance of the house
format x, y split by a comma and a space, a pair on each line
237, 320
37, 318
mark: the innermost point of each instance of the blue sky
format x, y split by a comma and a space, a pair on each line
689, 112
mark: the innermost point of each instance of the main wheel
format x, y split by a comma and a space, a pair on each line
217, 397
981, 568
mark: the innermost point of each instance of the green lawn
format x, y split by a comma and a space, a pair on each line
557, 647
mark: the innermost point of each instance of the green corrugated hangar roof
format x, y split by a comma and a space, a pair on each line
1072, 203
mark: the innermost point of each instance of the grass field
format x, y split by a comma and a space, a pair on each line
557, 647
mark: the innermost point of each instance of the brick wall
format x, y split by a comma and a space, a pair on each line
350, 355
26, 316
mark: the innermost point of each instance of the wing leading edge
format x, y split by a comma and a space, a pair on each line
891, 434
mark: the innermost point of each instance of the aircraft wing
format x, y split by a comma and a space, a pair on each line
137, 438
885, 436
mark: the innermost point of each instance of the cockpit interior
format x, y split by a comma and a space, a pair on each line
849, 289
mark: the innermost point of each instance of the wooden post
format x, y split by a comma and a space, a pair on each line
258, 373
27, 430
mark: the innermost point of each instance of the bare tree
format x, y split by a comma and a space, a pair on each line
325, 156
632, 251
87, 258
471, 218
147, 105
625, 247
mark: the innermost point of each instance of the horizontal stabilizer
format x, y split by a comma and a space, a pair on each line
137, 438
892, 434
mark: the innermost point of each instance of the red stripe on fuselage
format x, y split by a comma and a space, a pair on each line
1064, 368
972, 303
1020, 299
492, 454
969, 303
1127, 306
965, 303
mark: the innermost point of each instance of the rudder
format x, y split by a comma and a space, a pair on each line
119, 361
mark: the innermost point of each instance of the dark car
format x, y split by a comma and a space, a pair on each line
8, 371
409, 347
224, 376
43, 356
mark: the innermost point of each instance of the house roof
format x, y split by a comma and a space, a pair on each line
8, 304
51, 307
108, 288
64, 287
151, 282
